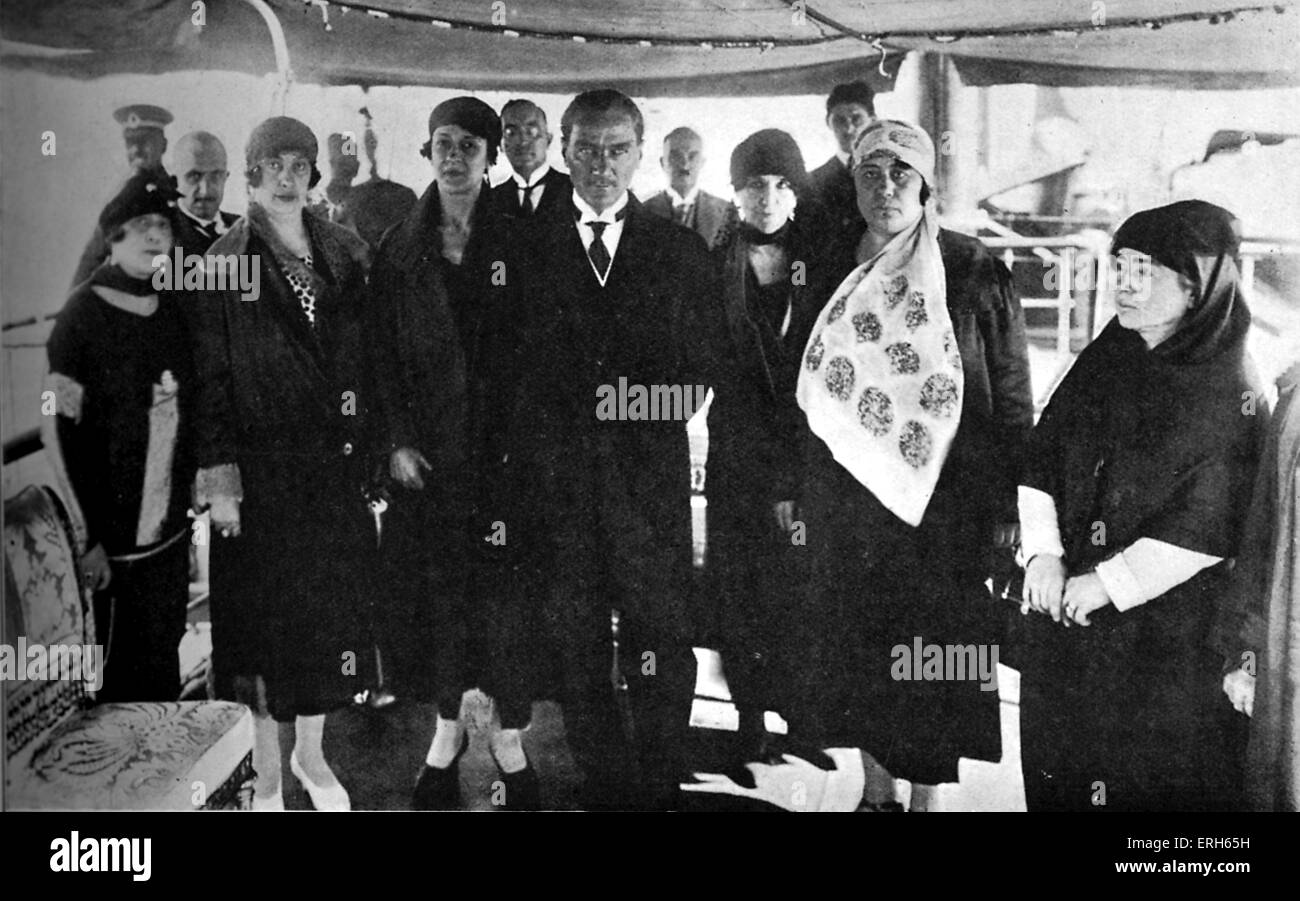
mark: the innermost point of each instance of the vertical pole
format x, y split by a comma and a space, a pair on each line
950, 115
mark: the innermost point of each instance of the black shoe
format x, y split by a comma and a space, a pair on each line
777, 746
521, 789
438, 788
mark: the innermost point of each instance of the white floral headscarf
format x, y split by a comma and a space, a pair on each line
881, 381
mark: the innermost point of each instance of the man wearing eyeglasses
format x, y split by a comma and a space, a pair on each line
200, 164
534, 188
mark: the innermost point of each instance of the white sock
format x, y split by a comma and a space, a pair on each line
446, 743
508, 750
266, 756
309, 733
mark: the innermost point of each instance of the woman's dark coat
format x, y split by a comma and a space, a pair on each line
286, 402
876, 583
754, 567
444, 340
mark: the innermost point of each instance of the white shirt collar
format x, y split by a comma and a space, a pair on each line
843, 158
610, 235
218, 223
679, 200
534, 177
589, 215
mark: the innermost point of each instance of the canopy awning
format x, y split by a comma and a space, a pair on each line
658, 47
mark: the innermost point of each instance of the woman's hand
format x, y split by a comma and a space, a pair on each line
1239, 686
96, 569
1045, 584
405, 465
784, 511
1006, 534
1084, 595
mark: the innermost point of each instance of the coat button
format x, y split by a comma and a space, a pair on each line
347, 448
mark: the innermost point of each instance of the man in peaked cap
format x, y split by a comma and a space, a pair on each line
142, 131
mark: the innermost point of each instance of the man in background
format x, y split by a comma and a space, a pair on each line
142, 131
683, 202
200, 163
849, 109
534, 188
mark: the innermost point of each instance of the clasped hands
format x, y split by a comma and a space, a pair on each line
1066, 600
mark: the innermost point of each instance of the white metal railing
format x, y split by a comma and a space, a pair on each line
1069, 263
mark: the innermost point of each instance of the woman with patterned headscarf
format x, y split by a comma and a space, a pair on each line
1133, 497
915, 385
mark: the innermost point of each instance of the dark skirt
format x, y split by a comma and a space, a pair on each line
1129, 713
458, 609
286, 603
418, 603
140, 619
877, 586
760, 623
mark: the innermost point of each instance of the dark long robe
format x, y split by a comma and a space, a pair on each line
1128, 712
877, 583
1256, 626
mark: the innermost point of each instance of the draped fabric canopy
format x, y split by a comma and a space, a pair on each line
668, 47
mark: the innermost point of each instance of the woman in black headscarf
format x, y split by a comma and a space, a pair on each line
442, 337
1130, 504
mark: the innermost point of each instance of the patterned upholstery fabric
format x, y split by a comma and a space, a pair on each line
136, 757
42, 603
65, 754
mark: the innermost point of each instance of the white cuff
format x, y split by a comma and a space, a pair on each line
1148, 568
1039, 531
1121, 585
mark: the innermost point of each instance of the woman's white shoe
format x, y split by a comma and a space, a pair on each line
334, 798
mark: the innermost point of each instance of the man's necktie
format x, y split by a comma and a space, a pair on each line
527, 205
596, 251
681, 212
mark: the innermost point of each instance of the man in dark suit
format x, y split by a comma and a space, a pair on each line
142, 131
683, 202
616, 296
534, 188
200, 161
849, 109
